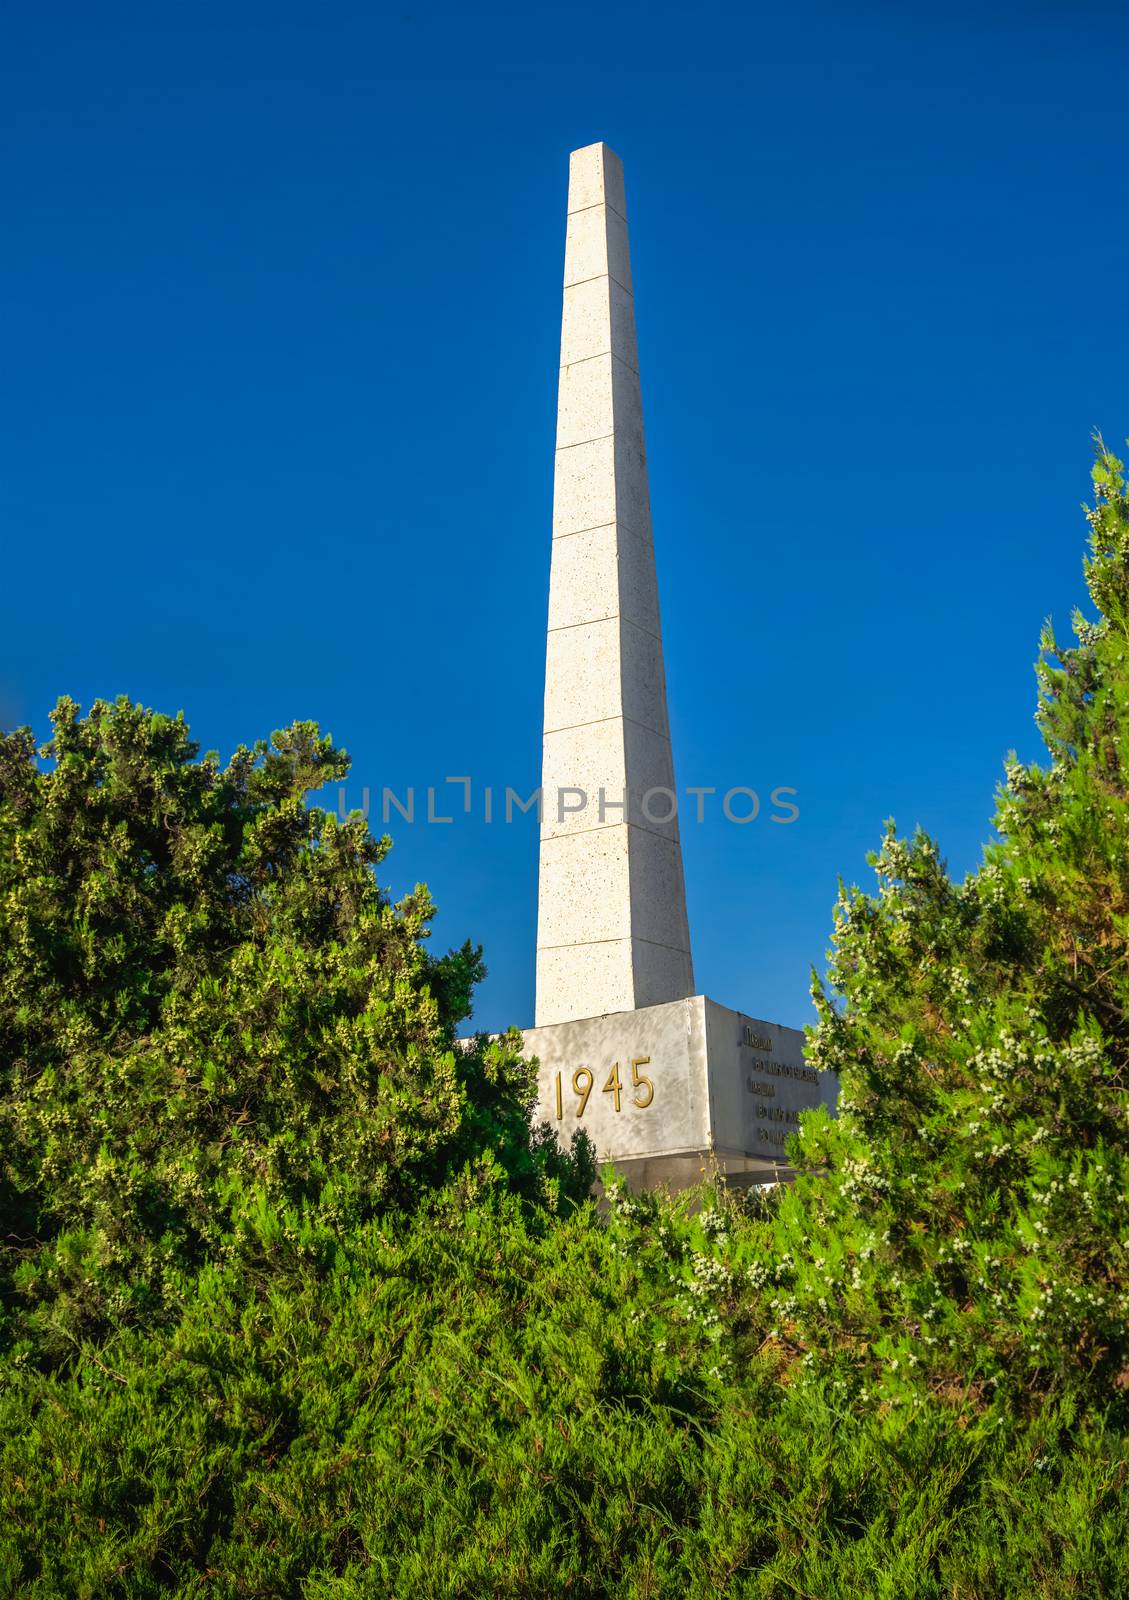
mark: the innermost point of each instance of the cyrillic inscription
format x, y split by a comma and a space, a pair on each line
782, 1069
778, 1114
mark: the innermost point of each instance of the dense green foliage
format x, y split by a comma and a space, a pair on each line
216, 1033
505, 1409
295, 1301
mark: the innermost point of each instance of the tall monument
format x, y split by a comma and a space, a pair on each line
612, 933
669, 1085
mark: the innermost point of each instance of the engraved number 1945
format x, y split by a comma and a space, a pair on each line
583, 1083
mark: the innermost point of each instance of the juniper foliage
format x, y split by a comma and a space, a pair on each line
218, 1039
975, 1225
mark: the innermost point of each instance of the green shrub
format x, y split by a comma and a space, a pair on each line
502, 1408
218, 1040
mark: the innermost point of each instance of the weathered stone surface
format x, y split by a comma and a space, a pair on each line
598, 317
701, 1088
598, 570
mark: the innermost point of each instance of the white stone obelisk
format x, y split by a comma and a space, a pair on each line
612, 933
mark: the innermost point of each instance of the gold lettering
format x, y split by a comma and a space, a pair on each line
613, 1085
583, 1083
641, 1081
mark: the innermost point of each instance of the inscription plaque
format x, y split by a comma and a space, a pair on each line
690, 1080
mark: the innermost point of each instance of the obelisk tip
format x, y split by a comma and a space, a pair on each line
595, 177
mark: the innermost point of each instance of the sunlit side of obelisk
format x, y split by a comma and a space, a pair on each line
612, 932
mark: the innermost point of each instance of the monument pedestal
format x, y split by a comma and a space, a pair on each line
676, 1093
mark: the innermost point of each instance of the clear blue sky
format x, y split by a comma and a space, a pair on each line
281, 290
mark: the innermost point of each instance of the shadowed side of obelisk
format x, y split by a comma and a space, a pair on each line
612, 929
